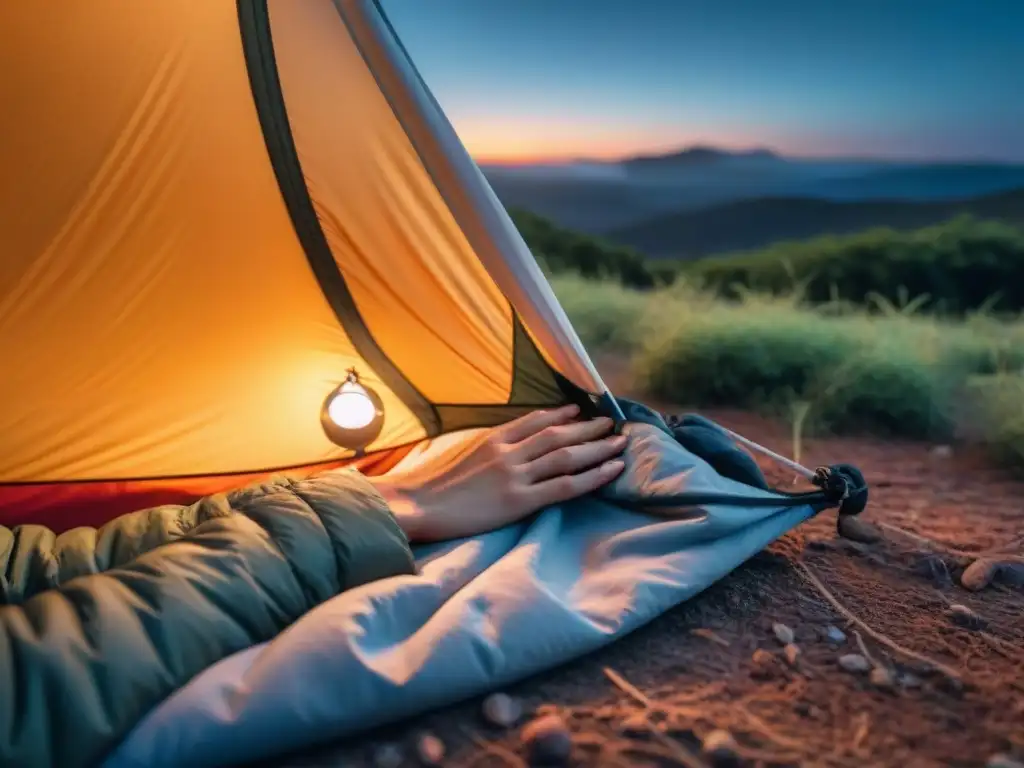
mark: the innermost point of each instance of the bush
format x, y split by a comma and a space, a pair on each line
561, 251
997, 408
845, 372
775, 358
955, 267
606, 316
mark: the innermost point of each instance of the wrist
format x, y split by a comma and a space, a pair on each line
403, 508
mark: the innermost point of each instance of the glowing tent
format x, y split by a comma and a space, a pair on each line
211, 215
240, 238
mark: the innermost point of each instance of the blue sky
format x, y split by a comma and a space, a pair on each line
533, 79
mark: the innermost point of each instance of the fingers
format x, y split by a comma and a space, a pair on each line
566, 487
532, 423
557, 436
573, 458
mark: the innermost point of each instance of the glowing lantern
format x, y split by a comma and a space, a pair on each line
352, 415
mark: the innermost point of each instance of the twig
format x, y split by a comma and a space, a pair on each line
862, 731
629, 688
699, 695
708, 634
770, 734
864, 648
873, 634
680, 752
1000, 548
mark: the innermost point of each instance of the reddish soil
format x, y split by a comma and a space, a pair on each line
695, 663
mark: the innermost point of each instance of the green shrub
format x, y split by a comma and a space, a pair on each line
997, 413
606, 316
774, 358
562, 251
954, 267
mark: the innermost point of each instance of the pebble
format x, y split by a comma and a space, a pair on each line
764, 664
720, 747
909, 680
979, 574
855, 529
854, 662
387, 756
965, 617
784, 634
880, 677
502, 710
1003, 761
429, 749
1012, 571
835, 635
547, 740
792, 653
942, 451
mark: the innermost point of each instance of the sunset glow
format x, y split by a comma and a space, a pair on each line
536, 80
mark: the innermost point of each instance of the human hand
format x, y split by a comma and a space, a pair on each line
503, 475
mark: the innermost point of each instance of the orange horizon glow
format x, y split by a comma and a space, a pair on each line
527, 150
521, 140
524, 141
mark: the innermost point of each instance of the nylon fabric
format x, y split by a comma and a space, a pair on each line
419, 287
480, 614
157, 315
83, 659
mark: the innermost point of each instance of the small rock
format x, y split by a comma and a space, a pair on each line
720, 747
1012, 571
880, 677
636, 724
854, 662
908, 680
502, 710
979, 574
764, 664
835, 635
855, 529
387, 756
1003, 761
792, 653
942, 451
965, 617
547, 740
784, 634
429, 749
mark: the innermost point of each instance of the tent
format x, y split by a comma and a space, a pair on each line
223, 224
212, 213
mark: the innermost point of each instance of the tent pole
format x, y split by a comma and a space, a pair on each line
799, 469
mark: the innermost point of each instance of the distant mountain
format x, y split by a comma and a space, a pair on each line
755, 223
599, 196
698, 156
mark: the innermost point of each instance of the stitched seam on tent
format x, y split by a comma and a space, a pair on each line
572, 392
257, 44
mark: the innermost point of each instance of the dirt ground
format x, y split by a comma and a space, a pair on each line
649, 699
